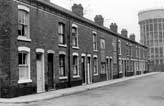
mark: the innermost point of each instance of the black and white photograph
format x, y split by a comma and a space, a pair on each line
81, 52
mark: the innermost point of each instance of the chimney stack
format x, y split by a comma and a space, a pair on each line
113, 27
99, 20
124, 33
132, 37
77, 9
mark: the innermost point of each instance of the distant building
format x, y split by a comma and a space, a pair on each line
152, 35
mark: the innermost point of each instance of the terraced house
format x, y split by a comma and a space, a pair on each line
45, 47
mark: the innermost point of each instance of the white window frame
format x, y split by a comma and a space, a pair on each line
102, 42
63, 77
120, 65
94, 35
103, 71
27, 37
77, 35
119, 45
25, 49
95, 56
61, 34
136, 51
78, 72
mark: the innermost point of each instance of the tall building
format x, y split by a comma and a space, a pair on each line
152, 34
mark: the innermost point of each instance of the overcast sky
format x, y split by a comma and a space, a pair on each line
123, 12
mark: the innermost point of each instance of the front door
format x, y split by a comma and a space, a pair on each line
110, 68
88, 70
83, 69
107, 68
40, 72
50, 71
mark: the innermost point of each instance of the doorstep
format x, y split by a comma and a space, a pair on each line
67, 91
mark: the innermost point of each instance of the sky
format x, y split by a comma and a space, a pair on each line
123, 12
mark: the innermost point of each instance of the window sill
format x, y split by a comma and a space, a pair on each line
24, 81
77, 76
74, 47
96, 74
22, 38
120, 72
62, 45
95, 50
64, 77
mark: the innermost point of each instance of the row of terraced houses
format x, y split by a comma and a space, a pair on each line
46, 47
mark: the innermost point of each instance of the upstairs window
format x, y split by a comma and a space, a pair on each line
61, 32
119, 47
136, 51
94, 41
23, 22
74, 36
102, 43
127, 49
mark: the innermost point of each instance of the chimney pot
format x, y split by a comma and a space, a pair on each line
124, 33
77, 9
132, 37
113, 27
99, 20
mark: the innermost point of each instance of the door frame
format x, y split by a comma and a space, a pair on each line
38, 51
84, 56
52, 81
89, 73
107, 68
111, 68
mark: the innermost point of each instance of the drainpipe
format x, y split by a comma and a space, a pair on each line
69, 52
117, 53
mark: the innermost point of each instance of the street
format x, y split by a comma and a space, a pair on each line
145, 91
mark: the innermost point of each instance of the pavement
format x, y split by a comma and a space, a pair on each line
67, 91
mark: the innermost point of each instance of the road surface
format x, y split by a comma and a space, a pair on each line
145, 91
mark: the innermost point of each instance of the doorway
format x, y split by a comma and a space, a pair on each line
107, 69
83, 69
110, 69
40, 72
89, 70
50, 71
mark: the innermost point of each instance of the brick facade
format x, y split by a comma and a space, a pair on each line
44, 20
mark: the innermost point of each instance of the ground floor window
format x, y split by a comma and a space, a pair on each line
95, 66
120, 66
24, 64
103, 68
75, 65
62, 65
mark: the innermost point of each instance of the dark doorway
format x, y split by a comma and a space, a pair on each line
83, 69
107, 69
89, 80
50, 71
110, 69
